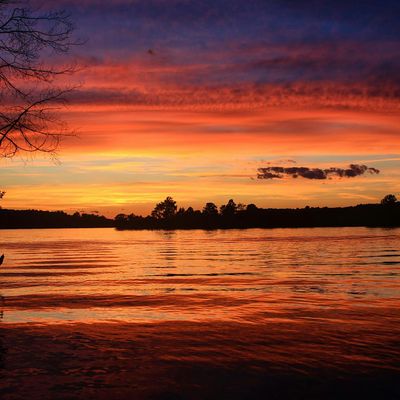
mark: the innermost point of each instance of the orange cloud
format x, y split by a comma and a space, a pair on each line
251, 132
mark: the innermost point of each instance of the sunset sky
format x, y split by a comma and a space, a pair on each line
190, 98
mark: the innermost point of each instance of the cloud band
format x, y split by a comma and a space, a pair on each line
314, 173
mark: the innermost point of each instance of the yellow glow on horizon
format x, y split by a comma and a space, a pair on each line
130, 160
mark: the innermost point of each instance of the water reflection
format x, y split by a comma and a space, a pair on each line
2, 301
3, 349
122, 310
60, 270
168, 248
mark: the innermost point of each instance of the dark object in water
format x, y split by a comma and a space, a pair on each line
1, 259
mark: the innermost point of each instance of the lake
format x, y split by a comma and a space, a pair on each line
243, 314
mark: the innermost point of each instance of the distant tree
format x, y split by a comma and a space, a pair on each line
2, 193
228, 209
165, 210
240, 207
28, 93
251, 208
210, 209
189, 211
181, 211
388, 200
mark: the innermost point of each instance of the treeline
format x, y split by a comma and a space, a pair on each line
231, 215
27, 219
166, 215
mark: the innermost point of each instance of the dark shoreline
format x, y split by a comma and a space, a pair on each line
37, 219
364, 215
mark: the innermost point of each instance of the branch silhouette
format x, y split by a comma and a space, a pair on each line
29, 95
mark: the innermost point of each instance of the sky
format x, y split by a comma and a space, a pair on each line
198, 99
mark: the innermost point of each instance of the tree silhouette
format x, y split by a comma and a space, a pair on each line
241, 207
28, 93
388, 200
181, 211
165, 210
233, 215
228, 209
210, 209
251, 208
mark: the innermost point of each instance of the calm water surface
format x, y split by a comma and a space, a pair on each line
196, 309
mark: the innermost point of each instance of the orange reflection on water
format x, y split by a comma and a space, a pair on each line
116, 311
103, 274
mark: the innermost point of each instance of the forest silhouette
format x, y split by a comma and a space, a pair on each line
31, 219
166, 215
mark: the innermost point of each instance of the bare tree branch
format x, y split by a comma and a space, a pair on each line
29, 97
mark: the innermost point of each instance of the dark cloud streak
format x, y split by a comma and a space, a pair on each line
314, 173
